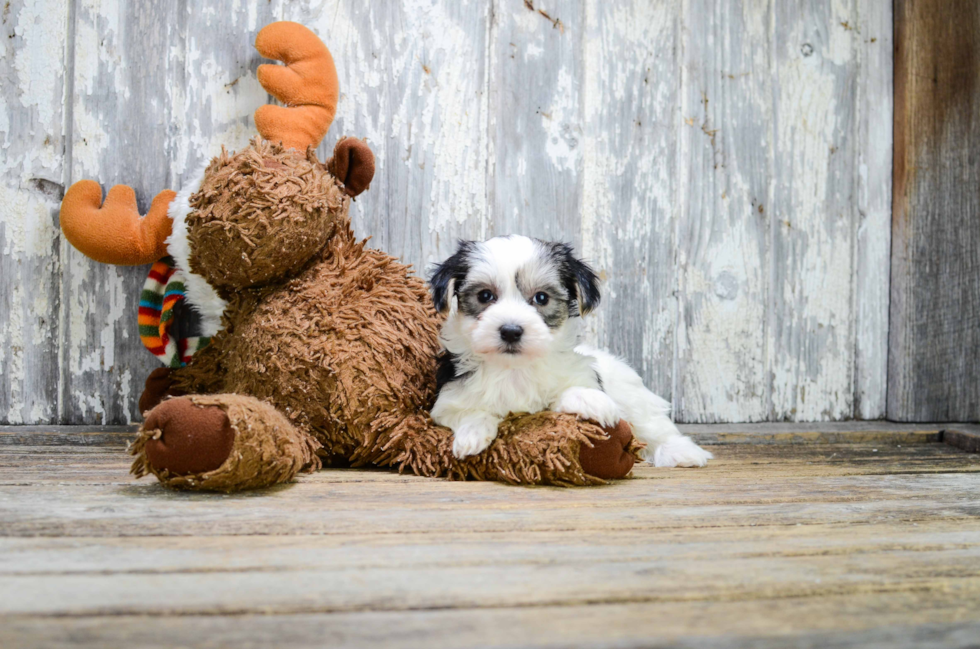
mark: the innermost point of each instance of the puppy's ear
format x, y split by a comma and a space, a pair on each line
448, 274
579, 279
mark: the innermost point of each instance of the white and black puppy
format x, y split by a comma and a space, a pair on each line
511, 345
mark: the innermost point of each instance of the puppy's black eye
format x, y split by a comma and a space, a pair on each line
485, 296
541, 298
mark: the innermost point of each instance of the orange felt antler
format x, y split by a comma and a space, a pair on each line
307, 84
113, 232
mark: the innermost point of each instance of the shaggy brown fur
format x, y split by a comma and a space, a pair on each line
260, 215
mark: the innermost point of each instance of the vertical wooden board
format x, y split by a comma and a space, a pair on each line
121, 114
437, 130
629, 155
725, 210
811, 346
536, 123
415, 74
213, 86
873, 235
33, 40
934, 350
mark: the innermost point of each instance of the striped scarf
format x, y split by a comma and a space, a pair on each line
169, 327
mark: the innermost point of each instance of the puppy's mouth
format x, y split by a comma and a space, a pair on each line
502, 349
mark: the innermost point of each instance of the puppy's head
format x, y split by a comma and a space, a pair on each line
510, 298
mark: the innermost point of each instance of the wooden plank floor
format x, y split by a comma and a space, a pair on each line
873, 543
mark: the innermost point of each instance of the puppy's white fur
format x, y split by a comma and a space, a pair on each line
547, 369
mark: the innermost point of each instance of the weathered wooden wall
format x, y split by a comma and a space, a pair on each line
934, 363
726, 164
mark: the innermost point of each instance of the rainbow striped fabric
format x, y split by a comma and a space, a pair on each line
169, 326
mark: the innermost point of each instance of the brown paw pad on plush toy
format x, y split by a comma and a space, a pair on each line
294, 343
613, 457
185, 438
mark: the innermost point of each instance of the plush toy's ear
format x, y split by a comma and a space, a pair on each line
448, 275
578, 278
352, 164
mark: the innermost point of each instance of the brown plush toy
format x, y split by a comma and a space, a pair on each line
297, 345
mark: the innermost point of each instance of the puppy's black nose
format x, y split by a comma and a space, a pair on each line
511, 333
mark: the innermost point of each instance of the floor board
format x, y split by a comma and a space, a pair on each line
805, 544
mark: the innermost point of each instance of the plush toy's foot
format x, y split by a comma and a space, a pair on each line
191, 439
612, 458
222, 442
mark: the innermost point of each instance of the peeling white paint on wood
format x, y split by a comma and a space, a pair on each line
32, 87
723, 256
536, 119
874, 203
726, 166
814, 210
629, 188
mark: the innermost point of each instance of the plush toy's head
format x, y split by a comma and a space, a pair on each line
255, 216
260, 214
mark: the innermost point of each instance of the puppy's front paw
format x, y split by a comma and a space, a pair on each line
680, 450
473, 436
589, 403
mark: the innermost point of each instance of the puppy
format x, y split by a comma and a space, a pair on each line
513, 307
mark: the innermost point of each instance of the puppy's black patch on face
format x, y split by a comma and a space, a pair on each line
577, 277
557, 316
554, 312
450, 272
469, 298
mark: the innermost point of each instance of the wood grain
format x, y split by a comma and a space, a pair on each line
600, 575
34, 46
817, 485
907, 620
962, 437
872, 237
769, 545
723, 245
933, 369
631, 85
813, 212
724, 165
536, 119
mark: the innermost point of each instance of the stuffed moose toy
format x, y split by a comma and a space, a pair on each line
289, 344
